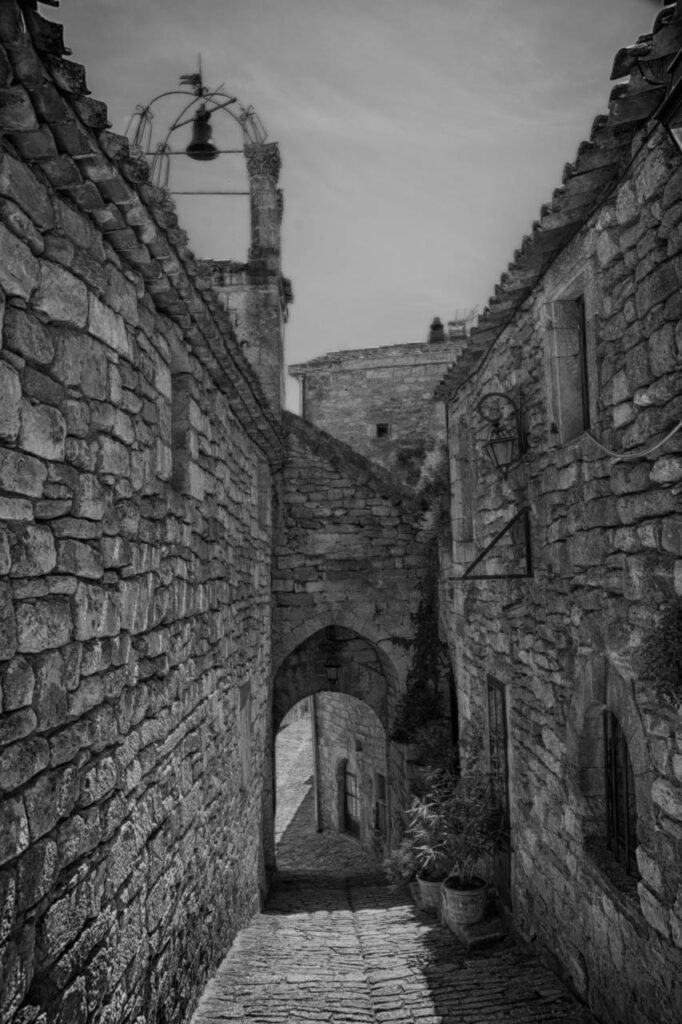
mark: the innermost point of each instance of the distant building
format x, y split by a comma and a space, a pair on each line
379, 400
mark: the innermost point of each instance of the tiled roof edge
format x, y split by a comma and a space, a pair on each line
597, 168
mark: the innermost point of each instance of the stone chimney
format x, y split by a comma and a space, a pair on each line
436, 331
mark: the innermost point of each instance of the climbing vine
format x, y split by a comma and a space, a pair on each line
420, 711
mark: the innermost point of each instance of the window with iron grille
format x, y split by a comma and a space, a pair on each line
497, 745
619, 788
380, 805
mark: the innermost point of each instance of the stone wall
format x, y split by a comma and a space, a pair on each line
606, 551
134, 574
349, 560
380, 400
352, 754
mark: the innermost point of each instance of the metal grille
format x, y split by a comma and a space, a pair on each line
619, 785
351, 803
497, 733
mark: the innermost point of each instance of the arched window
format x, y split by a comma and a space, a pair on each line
349, 800
608, 788
620, 809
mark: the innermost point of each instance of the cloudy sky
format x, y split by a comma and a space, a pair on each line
418, 137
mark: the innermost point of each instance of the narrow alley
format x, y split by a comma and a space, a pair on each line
337, 945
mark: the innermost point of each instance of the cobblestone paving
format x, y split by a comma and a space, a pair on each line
337, 946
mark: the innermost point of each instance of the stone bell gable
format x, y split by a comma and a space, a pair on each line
137, 448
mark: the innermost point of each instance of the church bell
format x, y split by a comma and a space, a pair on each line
201, 147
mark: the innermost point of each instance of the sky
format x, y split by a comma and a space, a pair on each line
418, 138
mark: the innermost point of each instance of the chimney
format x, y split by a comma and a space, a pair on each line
436, 331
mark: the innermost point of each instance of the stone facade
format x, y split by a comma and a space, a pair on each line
351, 770
349, 561
584, 335
379, 400
136, 453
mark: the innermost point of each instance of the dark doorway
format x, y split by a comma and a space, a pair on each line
351, 802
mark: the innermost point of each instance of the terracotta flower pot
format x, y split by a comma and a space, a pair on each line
429, 894
463, 907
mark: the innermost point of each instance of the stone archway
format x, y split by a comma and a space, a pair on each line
345, 673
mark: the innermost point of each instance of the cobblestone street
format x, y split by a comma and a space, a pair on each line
337, 946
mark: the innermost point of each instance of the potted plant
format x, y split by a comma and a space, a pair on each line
424, 853
474, 825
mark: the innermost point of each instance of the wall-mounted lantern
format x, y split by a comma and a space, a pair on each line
333, 659
506, 444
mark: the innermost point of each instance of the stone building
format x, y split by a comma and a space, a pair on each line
565, 562
379, 400
171, 548
181, 563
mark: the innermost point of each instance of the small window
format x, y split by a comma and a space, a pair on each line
620, 809
498, 745
245, 734
569, 368
181, 384
383, 430
380, 805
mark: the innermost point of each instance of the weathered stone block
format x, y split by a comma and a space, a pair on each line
8, 629
38, 870
21, 225
97, 612
33, 551
654, 912
10, 406
79, 559
81, 362
50, 699
16, 510
87, 695
656, 288
98, 781
109, 327
22, 761
21, 473
43, 624
14, 834
19, 269
80, 834
668, 797
17, 684
61, 296
89, 498
650, 870
48, 798
114, 457
19, 184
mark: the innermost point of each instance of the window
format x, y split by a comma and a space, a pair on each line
608, 790
351, 800
181, 384
383, 430
497, 745
380, 804
619, 784
569, 368
245, 734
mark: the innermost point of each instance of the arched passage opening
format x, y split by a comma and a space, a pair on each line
331, 786
355, 778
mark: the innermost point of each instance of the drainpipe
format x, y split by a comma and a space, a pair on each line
316, 761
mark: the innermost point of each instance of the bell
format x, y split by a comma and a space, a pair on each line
201, 147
